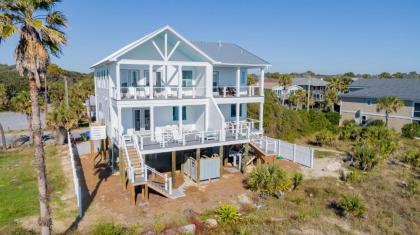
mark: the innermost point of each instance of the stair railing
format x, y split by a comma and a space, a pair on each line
130, 170
139, 155
167, 180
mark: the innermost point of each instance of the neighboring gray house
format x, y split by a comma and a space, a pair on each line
360, 102
317, 87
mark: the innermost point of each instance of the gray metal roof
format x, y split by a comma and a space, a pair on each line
229, 53
405, 89
305, 82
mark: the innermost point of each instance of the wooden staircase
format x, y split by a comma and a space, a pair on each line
145, 175
135, 162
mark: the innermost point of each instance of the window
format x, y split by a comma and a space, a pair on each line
215, 79
134, 77
187, 78
243, 77
233, 110
416, 110
175, 113
146, 77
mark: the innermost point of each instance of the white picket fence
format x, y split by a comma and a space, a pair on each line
77, 188
293, 152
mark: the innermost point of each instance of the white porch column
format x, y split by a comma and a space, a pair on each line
206, 117
117, 78
180, 118
261, 116
237, 119
151, 81
238, 81
209, 81
152, 122
262, 71
180, 81
119, 125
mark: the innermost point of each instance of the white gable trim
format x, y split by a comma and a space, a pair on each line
115, 55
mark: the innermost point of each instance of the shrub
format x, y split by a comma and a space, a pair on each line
227, 214
355, 176
350, 130
411, 130
325, 137
352, 205
383, 139
333, 117
376, 122
297, 179
21, 231
366, 156
412, 187
412, 157
107, 229
269, 180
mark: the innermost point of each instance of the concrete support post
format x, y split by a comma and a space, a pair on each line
197, 161
173, 166
221, 160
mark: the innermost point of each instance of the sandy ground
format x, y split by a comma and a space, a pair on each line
110, 201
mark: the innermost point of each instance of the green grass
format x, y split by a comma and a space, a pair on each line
18, 182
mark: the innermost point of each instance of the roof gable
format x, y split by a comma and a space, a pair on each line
157, 38
216, 53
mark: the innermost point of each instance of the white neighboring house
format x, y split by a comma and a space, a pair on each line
166, 94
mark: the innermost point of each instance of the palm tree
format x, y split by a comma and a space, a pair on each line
389, 104
22, 103
3, 101
331, 98
285, 80
335, 86
298, 98
62, 119
39, 28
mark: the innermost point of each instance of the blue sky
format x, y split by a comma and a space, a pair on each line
325, 36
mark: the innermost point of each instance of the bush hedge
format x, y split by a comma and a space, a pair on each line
411, 130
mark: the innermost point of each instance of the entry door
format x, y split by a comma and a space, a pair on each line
141, 119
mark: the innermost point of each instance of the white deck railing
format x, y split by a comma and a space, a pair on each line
293, 152
163, 92
150, 173
233, 91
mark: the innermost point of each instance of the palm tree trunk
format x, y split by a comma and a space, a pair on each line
45, 96
45, 214
3, 138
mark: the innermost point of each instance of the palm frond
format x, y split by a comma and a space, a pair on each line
56, 19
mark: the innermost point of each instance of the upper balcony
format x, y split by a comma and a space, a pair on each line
165, 93
233, 91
